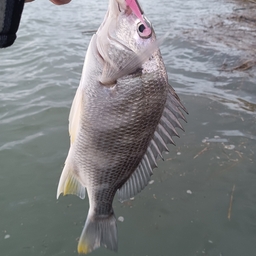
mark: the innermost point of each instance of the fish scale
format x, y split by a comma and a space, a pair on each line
123, 116
131, 120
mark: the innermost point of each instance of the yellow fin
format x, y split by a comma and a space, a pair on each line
83, 248
69, 183
73, 186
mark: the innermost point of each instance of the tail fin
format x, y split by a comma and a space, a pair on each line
98, 231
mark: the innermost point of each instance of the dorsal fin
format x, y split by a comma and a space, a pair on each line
162, 136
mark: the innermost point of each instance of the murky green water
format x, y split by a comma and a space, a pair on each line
184, 212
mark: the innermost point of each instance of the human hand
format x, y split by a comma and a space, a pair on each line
57, 2
10, 19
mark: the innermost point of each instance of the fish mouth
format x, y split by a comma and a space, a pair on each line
137, 10
131, 7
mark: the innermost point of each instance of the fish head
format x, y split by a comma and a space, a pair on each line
125, 40
125, 22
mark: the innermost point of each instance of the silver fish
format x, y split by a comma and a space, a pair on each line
123, 116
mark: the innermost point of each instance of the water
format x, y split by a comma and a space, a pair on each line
184, 212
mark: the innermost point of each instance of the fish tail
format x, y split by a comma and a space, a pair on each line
100, 230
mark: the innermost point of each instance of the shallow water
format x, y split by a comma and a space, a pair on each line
185, 211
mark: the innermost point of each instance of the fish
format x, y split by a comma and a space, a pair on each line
123, 116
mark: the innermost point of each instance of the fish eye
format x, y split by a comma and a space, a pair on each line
141, 28
144, 31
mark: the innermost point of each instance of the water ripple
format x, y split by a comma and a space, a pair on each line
27, 139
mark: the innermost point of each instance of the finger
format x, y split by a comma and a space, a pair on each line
27, 1
60, 2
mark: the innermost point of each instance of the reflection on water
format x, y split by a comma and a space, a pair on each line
185, 210
237, 133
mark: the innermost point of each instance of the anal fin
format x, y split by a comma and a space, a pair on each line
69, 183
139, 179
